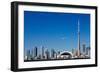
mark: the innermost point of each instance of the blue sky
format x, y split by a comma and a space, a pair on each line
55, 30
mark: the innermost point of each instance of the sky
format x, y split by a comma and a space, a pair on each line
55, 30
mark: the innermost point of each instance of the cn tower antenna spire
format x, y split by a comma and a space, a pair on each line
78, 50
78, 27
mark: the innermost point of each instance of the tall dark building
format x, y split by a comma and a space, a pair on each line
35, 52
84, 49
47, 54
52, 53
43, 53
88, 51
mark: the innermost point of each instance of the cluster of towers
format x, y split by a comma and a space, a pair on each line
40, 54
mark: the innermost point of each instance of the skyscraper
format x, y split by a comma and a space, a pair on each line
88, 51
28, 55
78, 49
43, 53
35, 52
25, 54
52, 53
84, 49
47, 54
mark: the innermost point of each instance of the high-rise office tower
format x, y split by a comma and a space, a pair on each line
55, 55
47, 54
35, 52
43, 53
25, 54
52, 53
84, 49
88, 51
28, 55
73, 52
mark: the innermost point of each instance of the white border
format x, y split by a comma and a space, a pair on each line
22, 64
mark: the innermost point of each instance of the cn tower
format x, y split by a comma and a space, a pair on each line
78, 48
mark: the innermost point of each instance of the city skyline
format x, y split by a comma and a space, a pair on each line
55, 30
36, 55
